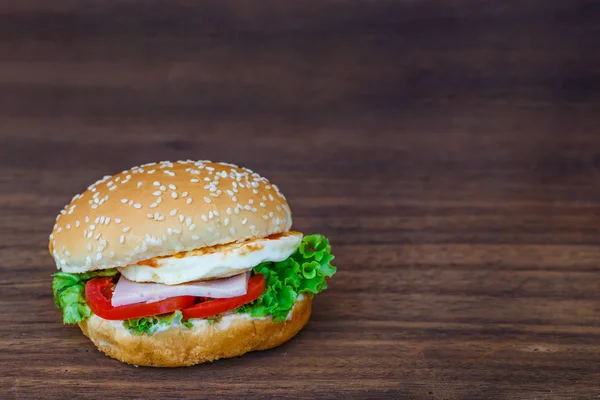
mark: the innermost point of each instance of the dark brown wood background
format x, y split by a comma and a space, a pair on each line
449, 149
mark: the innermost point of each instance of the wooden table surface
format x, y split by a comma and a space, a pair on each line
449, 150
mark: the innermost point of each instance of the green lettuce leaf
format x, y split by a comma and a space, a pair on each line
69, 293
149, 325
303, 272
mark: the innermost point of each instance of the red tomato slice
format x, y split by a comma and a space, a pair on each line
98, 294
256, 287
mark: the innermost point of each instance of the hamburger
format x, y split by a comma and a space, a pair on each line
177, 263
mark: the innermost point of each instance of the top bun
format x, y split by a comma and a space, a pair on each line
159, 209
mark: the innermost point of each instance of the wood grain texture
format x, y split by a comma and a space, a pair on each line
450, 150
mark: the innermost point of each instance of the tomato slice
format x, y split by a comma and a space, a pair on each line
98, 294
256, 287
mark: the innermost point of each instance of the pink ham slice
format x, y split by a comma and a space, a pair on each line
129, 292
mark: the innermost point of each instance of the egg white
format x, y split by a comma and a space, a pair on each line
218, 262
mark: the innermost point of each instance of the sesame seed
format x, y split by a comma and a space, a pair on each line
157, 193
139, 184
170, 231
126, 229
232, 230
229, 210
156, 183
184, 194
87, 219
244, 221
77, 224
265, 217
226, 222
181, 217
247, 207
250, 201
149, 215
153, 205
157, 216
137, 205
107, 221
204, 218
192, 227
262, 204
92, 227
195, 237
68, 226
172, 187
176, 231
97, 236
112, 188
159, 200
89, 235
207, 179
89, 247
100, 248
271, 214
188, 221
189, 200
123, 201
173, 212
194, 180
122, 239
102, 218
237, 210
151, 171
130, 202
271, 197
174, 195
210, 215
216, 213
111, 254
206, 199
98, 256
94, 206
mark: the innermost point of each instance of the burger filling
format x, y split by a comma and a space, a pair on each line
261, 278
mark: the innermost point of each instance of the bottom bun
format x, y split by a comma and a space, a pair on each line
234, 335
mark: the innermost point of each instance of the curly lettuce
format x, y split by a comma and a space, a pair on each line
149, 325
304, 272
69, 293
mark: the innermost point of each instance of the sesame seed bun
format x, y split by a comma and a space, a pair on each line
180, 346
164, 208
